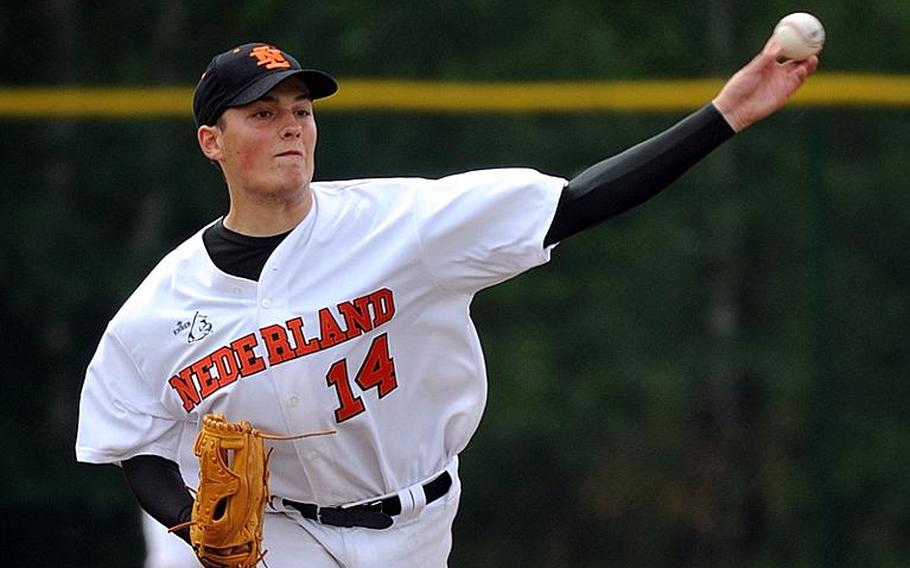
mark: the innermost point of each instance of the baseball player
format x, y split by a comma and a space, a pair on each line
344, 305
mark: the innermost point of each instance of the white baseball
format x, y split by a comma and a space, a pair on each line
799, 35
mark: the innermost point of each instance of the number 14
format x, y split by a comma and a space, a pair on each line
377, 370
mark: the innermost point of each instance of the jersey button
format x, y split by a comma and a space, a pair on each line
294, 400
266, 303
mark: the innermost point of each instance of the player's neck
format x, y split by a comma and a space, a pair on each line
264, 217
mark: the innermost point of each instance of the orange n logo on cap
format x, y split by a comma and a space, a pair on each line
269, 56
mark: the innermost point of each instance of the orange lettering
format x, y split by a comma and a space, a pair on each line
207, 383
270, 56
276, 343
356, 316
330, 333
383, 306
249, 363
186, 388
226, 364
304, 346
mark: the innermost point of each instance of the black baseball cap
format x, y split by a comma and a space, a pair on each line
245, 73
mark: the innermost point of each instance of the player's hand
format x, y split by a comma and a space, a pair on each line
762, 86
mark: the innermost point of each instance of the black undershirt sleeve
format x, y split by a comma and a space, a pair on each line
634, 176
160, 490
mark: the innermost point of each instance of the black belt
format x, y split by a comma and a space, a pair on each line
375, 515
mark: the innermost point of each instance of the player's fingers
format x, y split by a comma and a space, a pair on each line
812, 63
802, 69
799, 72
771, 51
790, 67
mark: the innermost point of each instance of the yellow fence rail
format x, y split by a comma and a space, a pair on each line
823, 90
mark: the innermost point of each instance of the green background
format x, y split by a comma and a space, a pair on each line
716, 378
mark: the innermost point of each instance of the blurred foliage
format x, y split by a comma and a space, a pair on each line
717, 378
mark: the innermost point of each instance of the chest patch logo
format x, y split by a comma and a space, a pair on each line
198, 327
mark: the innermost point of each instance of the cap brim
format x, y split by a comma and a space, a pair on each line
319, 85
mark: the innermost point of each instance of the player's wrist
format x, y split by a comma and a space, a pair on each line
732, 118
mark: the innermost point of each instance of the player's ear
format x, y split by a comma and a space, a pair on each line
209, 138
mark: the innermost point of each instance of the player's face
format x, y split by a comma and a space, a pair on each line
267, 146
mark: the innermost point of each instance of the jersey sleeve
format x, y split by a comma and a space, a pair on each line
482, 227
119, 414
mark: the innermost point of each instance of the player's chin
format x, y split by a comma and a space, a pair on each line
289, 179
292, 168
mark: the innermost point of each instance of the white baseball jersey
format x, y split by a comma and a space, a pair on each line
359, 323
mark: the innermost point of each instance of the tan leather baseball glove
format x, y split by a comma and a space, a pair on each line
226, 525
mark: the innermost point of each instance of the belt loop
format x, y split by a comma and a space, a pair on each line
413, 502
